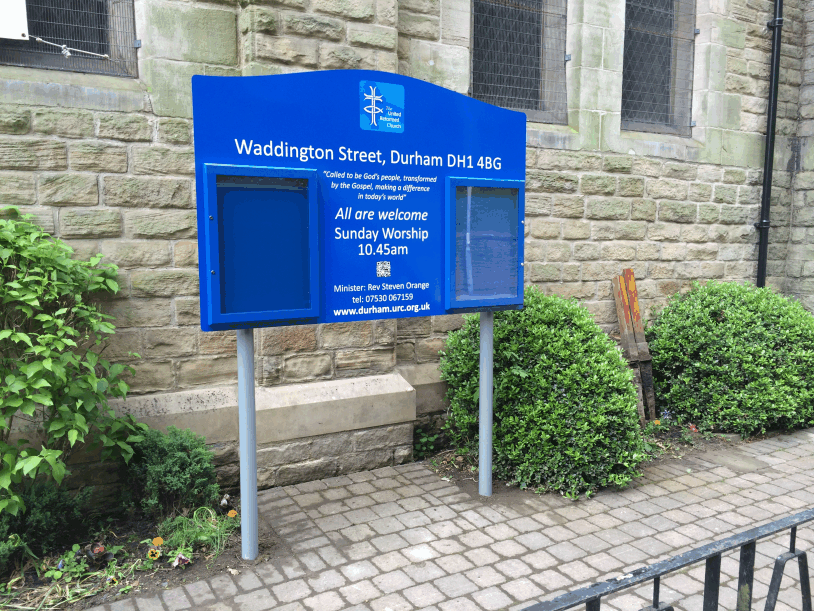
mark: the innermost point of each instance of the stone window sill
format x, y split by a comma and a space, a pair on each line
70, 89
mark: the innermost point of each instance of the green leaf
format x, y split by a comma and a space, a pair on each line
30, 464
72, 435
58, 471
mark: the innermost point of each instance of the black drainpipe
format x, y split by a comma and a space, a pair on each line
775, 24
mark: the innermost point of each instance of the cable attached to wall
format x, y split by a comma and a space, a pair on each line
66, 50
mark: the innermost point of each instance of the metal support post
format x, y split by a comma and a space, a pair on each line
485, 393
248, 443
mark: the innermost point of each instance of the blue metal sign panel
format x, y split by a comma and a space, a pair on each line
353, 195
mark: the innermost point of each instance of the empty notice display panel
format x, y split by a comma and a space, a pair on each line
265, 268
484, 243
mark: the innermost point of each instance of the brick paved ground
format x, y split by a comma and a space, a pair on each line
399, 539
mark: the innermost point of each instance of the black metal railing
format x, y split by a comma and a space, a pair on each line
591, 596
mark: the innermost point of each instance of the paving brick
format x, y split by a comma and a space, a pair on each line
200, 593
551, 580
508, 548
390, 562
446, 529
475, 539
175, 599
437, 514
391, 602
420, 553
255, 601
522, 589
423, 595
533, 540
418, 535
334, 522
393, 581
481, 556
142, 604
292, 590
458, 604
329, 580
447, 546
389, 543
414, 519
565, 551
388, 525
223, 586
359, 570
360, 592
492, 598
327, 601
455, 585
248, 581
513, 568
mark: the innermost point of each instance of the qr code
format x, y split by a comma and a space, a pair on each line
382, 269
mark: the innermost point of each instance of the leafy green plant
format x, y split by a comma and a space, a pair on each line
171, 471
54, 518
54, 386
564, 407
425, 443
72, 565
205, 531
734, 358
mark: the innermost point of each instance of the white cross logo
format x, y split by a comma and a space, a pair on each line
373, 109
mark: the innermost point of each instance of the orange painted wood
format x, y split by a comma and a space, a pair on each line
625, 330
635, 312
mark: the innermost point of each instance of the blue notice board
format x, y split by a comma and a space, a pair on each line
354, 195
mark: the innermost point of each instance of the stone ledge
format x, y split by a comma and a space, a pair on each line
36, 87
430, 391
283, 412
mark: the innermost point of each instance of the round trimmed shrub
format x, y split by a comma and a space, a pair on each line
734, 358
565, 414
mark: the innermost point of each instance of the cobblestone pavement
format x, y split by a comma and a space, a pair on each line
401, 538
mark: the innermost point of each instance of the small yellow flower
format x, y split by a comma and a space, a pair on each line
154, 554
232, 513
657, 422
158, 541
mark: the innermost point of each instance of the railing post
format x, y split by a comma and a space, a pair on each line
712, 583
746, 576
805, 584
656, 585
592, 605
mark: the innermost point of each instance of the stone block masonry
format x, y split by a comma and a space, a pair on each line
108, 165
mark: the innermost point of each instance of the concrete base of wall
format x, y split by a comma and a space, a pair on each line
304, 431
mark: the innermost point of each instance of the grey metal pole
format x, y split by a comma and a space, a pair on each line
485, 394
248, 443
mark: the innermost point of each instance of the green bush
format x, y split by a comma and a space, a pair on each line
171, 471
564, 407
54, 386
54, 518
734, 358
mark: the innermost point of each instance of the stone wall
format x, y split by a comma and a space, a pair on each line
800, 264
107, 164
